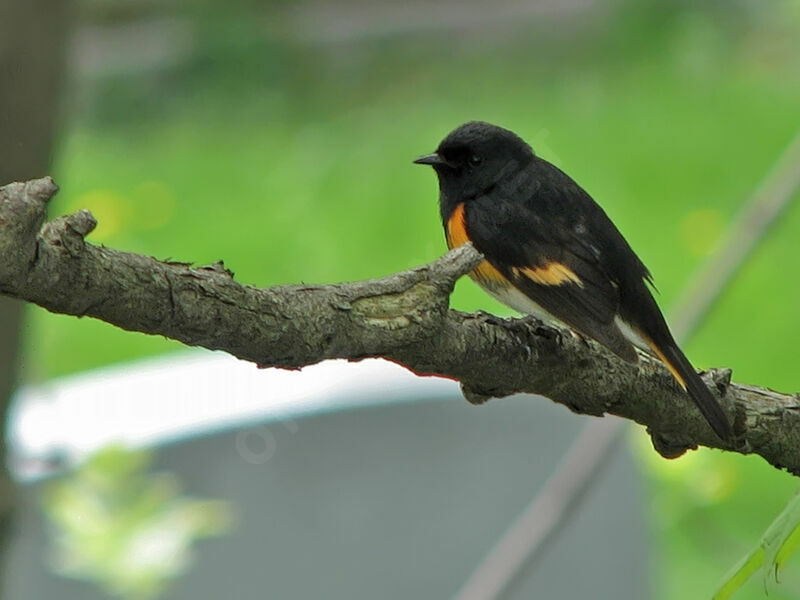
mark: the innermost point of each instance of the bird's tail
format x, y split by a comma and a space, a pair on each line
673, 358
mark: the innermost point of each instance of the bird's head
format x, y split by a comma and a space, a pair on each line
474, 157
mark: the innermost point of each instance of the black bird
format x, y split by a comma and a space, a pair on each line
551, 251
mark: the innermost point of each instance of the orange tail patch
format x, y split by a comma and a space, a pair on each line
664, 360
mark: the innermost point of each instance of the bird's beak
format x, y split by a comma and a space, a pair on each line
431, 159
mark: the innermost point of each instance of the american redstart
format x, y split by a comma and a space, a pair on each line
551, 251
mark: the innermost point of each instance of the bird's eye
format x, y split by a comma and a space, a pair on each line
475, 160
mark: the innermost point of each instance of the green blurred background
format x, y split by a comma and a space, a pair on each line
279, 137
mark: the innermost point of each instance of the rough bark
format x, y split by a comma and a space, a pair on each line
403, 317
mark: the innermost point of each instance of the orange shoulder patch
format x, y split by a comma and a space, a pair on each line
552, 273
456, 233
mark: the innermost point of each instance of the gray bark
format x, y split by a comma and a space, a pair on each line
403, 317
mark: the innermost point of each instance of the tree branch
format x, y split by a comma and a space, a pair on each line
402, 317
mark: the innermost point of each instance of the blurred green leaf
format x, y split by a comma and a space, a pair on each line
779, 542
126, 530
740, 574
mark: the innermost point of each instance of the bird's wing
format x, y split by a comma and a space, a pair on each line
554, 260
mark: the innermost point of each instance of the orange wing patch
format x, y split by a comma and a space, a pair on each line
552, 273
456, 234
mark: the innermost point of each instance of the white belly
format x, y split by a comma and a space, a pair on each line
633, 337
512, 297
515, 299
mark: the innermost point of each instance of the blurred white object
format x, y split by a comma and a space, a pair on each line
170, 398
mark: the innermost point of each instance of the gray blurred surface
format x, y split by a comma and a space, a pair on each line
399, 501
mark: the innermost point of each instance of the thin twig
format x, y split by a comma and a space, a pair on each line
708, 282
548, 510
522, 544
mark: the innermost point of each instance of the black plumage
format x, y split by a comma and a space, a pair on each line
551, 250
